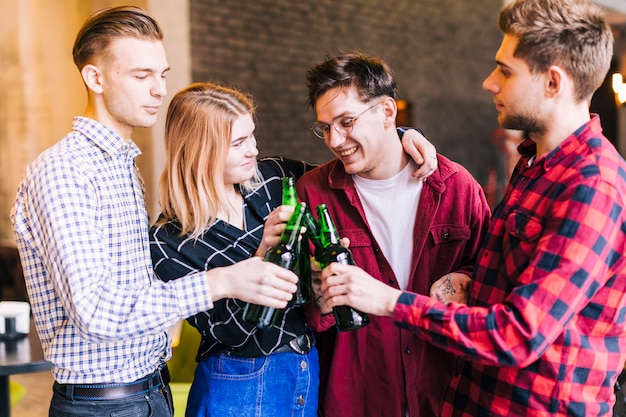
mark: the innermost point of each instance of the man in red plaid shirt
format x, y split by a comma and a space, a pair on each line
544, 329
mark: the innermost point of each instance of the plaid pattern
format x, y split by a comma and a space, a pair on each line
545, 331
81, 228
223, 328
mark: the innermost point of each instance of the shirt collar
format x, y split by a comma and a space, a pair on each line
103, 137
589, 130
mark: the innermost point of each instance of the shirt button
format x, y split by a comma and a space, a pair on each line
407, 350
446, 236
303, 365
301, 400
391, 282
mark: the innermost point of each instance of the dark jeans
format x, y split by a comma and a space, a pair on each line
156, 403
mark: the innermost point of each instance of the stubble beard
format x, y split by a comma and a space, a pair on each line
529, 124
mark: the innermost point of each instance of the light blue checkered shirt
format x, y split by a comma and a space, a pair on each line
81, 227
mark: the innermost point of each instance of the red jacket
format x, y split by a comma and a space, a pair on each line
381, 369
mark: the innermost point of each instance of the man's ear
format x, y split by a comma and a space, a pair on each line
390, 109
92, 77
554, 80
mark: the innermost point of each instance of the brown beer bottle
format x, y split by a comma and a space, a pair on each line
346, 317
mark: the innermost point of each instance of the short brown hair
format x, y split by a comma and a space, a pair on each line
573, 34
105, 25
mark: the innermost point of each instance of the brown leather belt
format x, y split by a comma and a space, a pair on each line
301, 344
98, 392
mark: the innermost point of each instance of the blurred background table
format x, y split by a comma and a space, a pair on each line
19, 356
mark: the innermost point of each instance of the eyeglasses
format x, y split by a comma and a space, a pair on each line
341, 124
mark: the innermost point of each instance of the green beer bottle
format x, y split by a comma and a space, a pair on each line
346, 317
284, 254
312, 229
303, 266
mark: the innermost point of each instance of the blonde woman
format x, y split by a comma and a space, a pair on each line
220, 206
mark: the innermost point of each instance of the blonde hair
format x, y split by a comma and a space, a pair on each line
198, 131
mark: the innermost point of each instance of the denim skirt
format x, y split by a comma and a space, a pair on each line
279, 385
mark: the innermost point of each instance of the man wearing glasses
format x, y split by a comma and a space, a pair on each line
408, 233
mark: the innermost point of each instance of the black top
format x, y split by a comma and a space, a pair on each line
223, 328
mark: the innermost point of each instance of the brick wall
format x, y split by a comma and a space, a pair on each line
440, 51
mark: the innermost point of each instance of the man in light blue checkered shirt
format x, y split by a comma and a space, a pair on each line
81, 228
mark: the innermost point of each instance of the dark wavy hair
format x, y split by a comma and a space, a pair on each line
372, 77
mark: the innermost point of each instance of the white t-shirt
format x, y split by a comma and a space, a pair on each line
390, 208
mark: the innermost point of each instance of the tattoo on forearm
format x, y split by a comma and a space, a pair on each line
448, 289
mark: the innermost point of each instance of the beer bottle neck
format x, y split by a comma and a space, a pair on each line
327, 231
289, 192
290, 235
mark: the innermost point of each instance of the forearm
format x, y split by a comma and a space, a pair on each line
109, 290
464, 332
104, 312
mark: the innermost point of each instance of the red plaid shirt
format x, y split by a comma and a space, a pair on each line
545, 332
